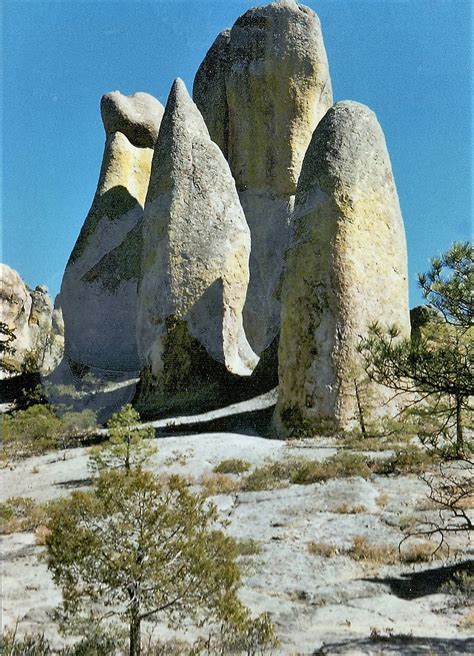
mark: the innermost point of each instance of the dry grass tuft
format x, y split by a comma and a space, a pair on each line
347, 509
466, 623
218, 484
248, 547
41, 533
323, 549
382, 500
419, 552
22, 514
232, 466
363, 550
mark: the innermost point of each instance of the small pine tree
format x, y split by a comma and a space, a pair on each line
146, 551
436, 363
127, 446
7, 337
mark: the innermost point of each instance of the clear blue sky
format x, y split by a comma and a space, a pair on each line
409, 60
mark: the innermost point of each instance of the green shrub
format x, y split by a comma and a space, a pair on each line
410, 459
248, 547
306, 472
267, 477
38, 429
30, 432
22, 514
232, 466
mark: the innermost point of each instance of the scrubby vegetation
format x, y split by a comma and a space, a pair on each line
434, 365
145, 551
39, 428
127, 446
232, 466
365, 551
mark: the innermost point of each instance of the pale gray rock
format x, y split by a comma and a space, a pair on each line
138, 117
16, 303
346, 268
262, 89
209, 90
196, 246
100, 285
35, 323
332, 605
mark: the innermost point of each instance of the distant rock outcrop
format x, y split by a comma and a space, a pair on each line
37, 325
196, 247
346, 268
99, 288
262, 89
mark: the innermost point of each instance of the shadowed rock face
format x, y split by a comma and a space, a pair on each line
262, 89
346, 268
37, 325
99, 288
195, 258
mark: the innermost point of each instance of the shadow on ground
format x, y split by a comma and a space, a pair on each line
73, 484
420, 584
403, 644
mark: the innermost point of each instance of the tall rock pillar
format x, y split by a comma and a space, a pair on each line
99, 289
195, 269
345, 269
262, 89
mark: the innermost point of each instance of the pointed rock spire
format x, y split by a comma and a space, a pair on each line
195, 262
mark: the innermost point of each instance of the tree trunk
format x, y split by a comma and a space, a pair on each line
127, 456
360, 411
135, 637
459, 435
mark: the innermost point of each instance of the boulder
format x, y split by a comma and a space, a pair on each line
196, 246
29, 313
99, 289
262, 89
345, 269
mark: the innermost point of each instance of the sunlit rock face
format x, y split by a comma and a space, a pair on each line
345, 269
99, 289
262, 89
35, 322
196, 247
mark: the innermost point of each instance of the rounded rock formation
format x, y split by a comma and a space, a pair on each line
262, 89
345, 269
37, 326
138, 117
99, 288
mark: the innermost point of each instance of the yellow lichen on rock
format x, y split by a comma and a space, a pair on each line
346, 268
262, 89
99, 286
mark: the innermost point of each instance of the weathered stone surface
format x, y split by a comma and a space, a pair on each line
99, 289
195, 258
262, 89
36, 324
138, 117
346, 268
209, 90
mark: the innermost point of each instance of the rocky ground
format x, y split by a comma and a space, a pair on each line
345, 594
